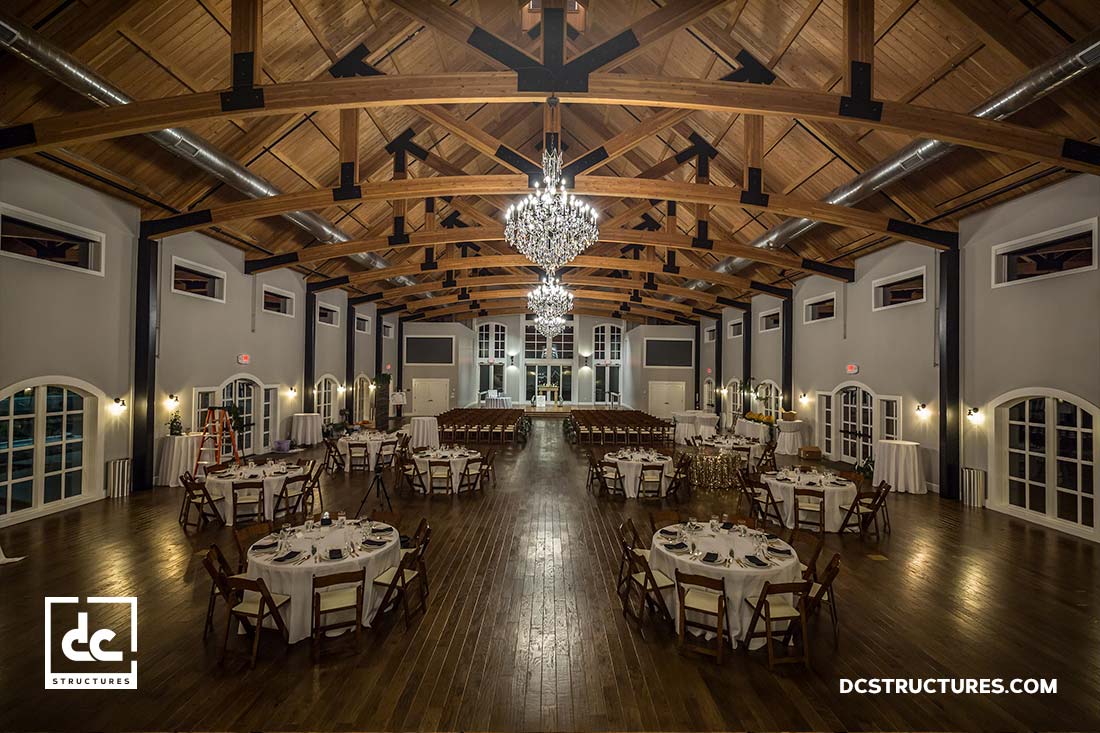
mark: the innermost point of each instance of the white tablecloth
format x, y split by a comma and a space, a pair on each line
221, 487
296, 581
305, 428
373, 440
897, 462
458, 459
630, 464
750, 449
694, 422
790, 437
500, 403
177, 454
838, 492
739, 581
425, 432
755, 430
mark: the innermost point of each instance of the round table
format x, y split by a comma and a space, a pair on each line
457, 456
838, 492
694, 423
296, 579
305, 428
755, 430
373, 439
740, 582
897, 462
630, 464
790, 437
751, 449
499, 403
220, 485
425, 432
178, 454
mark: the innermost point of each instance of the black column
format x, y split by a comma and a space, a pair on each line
746, 358
400, 352
145, 364
309, 375
377, 344
719, 347
349, 363
787, 373
698, 366
950, 374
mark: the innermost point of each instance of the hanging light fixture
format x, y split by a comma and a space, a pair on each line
551, 226
550, 299
550, 326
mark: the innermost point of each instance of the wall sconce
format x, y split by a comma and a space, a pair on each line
922, 411
118, 406
341, 389
292, 392
975, 416
511, 360
373, 386
723, 391
803, 398
587, 361
172, 402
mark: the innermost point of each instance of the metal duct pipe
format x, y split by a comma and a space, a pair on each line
1074, 61
25, 43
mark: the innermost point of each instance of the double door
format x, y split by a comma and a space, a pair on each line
430, 397
606, 382
666, 398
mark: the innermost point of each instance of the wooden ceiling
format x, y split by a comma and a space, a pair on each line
949, 55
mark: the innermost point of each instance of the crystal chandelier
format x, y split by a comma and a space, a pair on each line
551, 226
550, 326
550, 299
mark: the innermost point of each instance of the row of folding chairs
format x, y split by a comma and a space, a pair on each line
475, 476
624, 434
471, 432
605, 478
245, 503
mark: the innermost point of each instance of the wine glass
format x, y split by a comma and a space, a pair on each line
713, 522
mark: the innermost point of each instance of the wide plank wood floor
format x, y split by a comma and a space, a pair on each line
524, 630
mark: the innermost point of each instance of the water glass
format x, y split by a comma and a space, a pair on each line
725, 519
691, 522
714, 523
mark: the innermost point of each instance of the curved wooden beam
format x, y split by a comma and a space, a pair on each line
416, 306
725, 248
502, 87
696, 193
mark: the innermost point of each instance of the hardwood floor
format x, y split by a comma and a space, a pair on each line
524, 630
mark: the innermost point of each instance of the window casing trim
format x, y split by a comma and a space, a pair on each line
897, 277
205, 269
48, 221
279, 291
806, 320
331, 307
760, 321
1078, 227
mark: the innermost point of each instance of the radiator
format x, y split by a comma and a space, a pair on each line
973, 487
118, 477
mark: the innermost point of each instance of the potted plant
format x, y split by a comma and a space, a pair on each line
866, 469
175, 424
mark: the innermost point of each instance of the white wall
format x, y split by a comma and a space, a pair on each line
637, 389
462, 375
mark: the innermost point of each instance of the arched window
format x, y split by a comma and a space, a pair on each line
708, 394
732, 404
768, 397
857, 423
607, 343
257, 406
364, 399
47, 433
1048, 448
607, 354
491, 341
326, 392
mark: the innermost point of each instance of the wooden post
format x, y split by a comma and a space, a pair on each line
349, 144
754, 145
246, 37
859, 43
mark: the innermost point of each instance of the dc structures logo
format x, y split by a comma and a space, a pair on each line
91, 660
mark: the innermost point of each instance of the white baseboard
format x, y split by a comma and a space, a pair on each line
45, 510
1085, 533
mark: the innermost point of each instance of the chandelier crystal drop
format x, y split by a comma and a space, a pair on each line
550, 326
550, 299
551, 226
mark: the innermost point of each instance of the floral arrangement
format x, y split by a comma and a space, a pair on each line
175, 424
760, 418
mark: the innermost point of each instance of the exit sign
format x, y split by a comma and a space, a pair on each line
243, 359
852, 368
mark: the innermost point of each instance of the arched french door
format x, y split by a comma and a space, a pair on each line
731, 403
857, 423
364, 404
708, 394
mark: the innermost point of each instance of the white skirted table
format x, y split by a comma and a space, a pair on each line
740, 575
756, 430
838, 492
690, 423
373, 439
458, 457
499, 403
751, 450
424, 432
305, 428
791, 437
361, 548
220, 485
897, 462
630, 464
177, 455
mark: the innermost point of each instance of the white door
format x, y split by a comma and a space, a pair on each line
666, 398
430, 396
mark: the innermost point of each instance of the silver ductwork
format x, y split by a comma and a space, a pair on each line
1073, 62
25, 43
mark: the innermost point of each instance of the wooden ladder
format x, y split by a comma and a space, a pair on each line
216, 427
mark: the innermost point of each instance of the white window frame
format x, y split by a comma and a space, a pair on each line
896, 277
405, 351
880, 416
279, 291
362, 319
710, 334
645, 354
387, 330
331, 307
607, 358
491, 326
729, 329
760, 321
199, 267
996, 271
806, 320
48, 221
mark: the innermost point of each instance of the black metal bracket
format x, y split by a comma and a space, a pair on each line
860, 104
353, 64
751, 71
253, 266
347, 188
243, 95
754, 195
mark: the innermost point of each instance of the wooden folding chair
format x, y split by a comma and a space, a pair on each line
412, 476
219, 570
396, 580
772, 607
439, 476
863, 510
288, 500
246, 536
766, 461
707, 596
822, 593
765, 506
809, 509
611, 480
334, 459
358, 457
629, 540
470, 478
649, 584
650, 479
253, 604
681, 479
662, 518
197, 496
328, 599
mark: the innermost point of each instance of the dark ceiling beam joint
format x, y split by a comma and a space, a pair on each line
243, 95
860, 104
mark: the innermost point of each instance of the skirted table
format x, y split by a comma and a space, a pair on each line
424, 432
791, 437
897, 462
700, 423
305, 428
758, 431
177, 455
